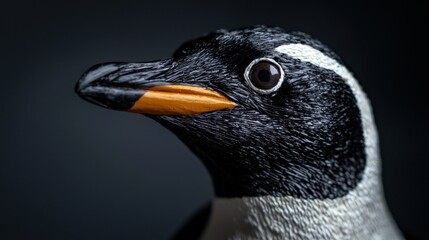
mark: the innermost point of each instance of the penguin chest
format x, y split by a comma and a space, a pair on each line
269, 217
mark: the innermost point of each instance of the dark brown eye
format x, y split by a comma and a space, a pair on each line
264, 75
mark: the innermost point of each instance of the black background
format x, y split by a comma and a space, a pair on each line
72, 170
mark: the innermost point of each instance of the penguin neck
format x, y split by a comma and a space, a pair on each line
361, 214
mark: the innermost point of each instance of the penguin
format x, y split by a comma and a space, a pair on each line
284, 129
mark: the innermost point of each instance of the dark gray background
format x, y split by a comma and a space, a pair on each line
72, 170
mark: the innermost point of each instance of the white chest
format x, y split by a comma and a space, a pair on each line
287, 218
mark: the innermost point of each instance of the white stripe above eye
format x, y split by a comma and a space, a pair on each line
311, 55
306, 53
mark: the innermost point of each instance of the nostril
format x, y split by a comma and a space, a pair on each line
94, 73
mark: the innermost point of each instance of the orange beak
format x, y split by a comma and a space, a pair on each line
180, 100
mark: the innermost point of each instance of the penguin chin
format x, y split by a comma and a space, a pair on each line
244, 162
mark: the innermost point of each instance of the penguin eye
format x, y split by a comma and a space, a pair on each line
264, 75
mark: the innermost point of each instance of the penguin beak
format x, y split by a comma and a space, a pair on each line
147, 88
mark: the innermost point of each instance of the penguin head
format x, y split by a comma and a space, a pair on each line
268, 112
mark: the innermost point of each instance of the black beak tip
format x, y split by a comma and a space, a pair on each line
97, 85
92, 75
78, 88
